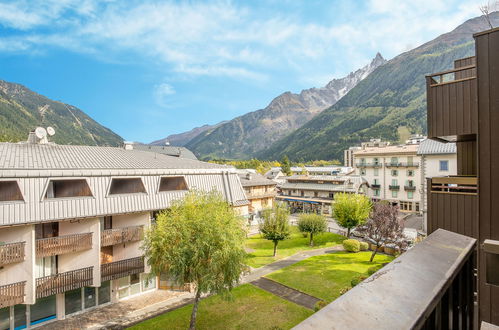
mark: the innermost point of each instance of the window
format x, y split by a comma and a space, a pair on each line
444, 165
376, 161
410, 172
46, 230
395, 182
416, 206
362, 160
376, 192
394, 161
376, 171
410, 160
362, 171
126, 186
410, 195
394, 193
46, 266
68, 188
395, 172
106, 223
172, 183
316, 194
302, 193
10, 192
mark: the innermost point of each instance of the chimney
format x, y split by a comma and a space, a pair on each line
248, 176
128, 145
32, 138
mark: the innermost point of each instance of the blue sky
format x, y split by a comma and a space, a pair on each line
147, 69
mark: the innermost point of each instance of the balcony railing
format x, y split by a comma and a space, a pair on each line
267, 194
452, 103
409, 188
59, 283
122, 268
402, 164
121, 235
11, 253
394, 187
431, 286
375, 165
12, 294
46, 247
375, 186
454, 185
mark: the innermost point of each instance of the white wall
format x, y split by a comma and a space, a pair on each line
130, 249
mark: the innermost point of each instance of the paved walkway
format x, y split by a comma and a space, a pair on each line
286, 292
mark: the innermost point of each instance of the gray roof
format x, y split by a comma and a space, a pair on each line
320, 186
53, 156
249, 179
431, 147
166, 150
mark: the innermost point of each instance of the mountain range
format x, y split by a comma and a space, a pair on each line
182, 139
22, 110
246, 135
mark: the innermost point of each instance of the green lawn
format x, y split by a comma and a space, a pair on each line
324, 276
251, 308
262, 250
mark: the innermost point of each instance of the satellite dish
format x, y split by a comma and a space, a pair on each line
50, 131
40, 132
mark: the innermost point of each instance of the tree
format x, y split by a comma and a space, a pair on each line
286, 165
351, 210
199, 240
275, 224
313, 224
383, 227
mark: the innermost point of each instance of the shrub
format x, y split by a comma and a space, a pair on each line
357, 280
364, 246
374, 269
344, 290
351, 245
320, 304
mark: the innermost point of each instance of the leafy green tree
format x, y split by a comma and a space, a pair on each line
286, 165
312, 223
199, 240
351, 210
275, 224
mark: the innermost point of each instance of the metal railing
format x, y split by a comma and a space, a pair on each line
46, 247
394, 187
59, 283
121, 235
431, 286
12, 294
454, 185
117, 269
375, 165
12, 252
375, 186
409, 188
402, 164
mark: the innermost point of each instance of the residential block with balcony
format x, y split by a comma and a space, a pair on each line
73, 219
260, 193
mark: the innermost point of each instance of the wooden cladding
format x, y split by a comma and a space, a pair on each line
11, 253
117, 269
453, 205
10, 192
466, 158
452, 103
121, 235
62, 282
126, 186
172, 183
68, 188
52, 246
12, 294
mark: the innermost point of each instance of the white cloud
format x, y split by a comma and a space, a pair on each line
162, 92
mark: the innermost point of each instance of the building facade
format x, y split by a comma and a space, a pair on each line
260, 193
437, 159
315, 193
393, 174
72, 219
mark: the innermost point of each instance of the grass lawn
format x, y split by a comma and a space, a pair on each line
324, 276
251, 308
262, 249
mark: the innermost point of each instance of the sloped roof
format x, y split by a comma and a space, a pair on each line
401, 149
250, 179
166, 150
432, 147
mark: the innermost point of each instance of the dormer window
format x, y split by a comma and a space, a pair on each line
68, 188
173, 183
10, 192
126, 186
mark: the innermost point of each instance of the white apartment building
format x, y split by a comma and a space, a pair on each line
72, 220
437, 159
393, 174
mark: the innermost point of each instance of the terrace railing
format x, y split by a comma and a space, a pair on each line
58, 283
122, 268
12, 253
46, 247
12, 294
121, 235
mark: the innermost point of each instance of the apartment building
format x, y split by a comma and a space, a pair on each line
393, 174
72, 219
260, 192
437, 159
315, 193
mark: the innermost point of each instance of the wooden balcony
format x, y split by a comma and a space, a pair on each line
431, 286
59, 283
453, 204
11, 253
12, 294
121, 235
46, 247
122, 268
453, 103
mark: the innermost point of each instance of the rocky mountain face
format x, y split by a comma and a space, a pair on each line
389, 104
244, 136
182, 139
22, 110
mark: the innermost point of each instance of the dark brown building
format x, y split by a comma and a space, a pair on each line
463, 106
